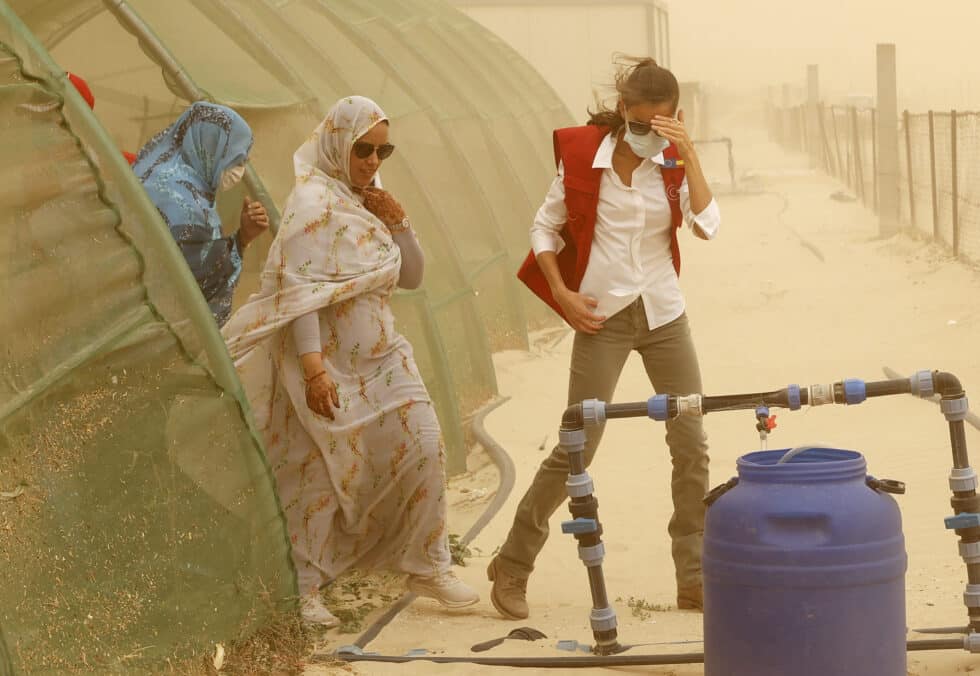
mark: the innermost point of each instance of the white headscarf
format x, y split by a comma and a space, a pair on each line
328, 149
329, 247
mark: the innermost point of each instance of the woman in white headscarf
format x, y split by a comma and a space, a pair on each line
351, 433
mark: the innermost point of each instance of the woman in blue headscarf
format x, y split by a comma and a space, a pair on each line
182, 169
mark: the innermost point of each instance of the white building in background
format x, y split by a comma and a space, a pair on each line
572, 42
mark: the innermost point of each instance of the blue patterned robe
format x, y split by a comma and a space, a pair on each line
181, 168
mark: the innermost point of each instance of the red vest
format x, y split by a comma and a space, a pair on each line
575, 148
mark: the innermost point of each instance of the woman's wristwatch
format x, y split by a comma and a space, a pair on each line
404, 226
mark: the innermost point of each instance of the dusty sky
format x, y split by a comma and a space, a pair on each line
754, 42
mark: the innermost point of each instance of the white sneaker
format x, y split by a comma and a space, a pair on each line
314, 611
445, 588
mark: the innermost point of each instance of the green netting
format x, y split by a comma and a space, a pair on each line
138, 518
471, 119
137, 515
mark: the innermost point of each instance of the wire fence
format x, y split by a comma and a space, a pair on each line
718, 162
939, 164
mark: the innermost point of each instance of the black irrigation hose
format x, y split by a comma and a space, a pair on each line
943, 630
534, 662
935, 644
508, 476
971, 417
606, 661
372, 632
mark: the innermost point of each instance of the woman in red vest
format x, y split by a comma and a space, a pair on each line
605, 257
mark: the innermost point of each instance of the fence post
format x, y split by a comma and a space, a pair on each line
858, 166
842, 169
804, 145
888, 170
907, 121
874, 159
786, 117
812, 98
932, 175
770, 114
956, 187
829, 160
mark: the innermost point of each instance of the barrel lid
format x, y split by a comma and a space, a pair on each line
813, 464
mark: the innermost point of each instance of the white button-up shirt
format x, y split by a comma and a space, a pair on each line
630, 256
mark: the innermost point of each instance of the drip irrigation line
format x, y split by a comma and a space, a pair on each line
508, 476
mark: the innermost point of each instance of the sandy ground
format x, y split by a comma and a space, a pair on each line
809, 296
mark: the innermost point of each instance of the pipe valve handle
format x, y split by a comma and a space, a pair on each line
579, 526
964, 520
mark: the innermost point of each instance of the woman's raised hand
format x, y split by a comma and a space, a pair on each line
381, 203
675, 132
254, 220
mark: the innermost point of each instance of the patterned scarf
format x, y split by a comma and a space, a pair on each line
181, 168
329, 248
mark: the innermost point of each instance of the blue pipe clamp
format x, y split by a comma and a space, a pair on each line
658, 407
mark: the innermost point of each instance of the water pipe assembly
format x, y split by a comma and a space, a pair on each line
587, 529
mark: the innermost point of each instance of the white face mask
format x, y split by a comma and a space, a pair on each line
646, 146
231, 176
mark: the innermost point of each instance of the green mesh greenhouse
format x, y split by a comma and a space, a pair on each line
138, 517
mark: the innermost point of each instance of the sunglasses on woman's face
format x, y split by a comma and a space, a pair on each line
639, 128
364, 149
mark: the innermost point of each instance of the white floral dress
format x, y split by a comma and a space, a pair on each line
367, 489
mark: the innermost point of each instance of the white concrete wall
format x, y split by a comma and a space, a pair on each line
571, 46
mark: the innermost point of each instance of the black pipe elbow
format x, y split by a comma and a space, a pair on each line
573, 418
947, 385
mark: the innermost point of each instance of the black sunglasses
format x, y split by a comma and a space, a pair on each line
363, 150
639, 128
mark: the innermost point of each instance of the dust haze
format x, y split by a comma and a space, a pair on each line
755, 43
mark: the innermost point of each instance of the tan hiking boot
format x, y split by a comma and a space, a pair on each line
690, 598
445, 588
508, 594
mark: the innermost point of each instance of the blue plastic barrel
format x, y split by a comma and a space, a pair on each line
804, 571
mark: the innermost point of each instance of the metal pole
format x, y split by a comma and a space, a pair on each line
932, 175
804, 129
907, 118
956, 187
888, 169
858, 168
785, 118
842, 169
829, 160
874, 159
132, 22
186, 87
652, 41
812, 98
731, 164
